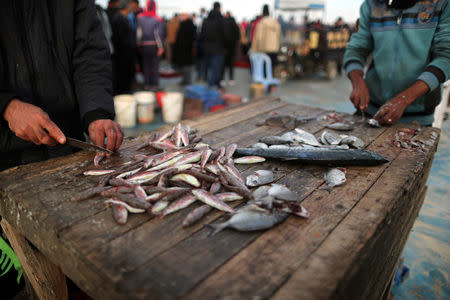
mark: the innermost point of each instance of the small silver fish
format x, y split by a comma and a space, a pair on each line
260, 145
305, 137
278, 147
97, 172
212, 200
187, 178
250, 219
230, 196
282, 192
353, 141
334, 177
341, 126
373, 123
159, 207
131, 209
330, 138
259, 177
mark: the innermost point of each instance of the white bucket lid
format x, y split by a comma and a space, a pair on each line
145, 97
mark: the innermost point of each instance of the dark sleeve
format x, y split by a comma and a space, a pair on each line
92, 65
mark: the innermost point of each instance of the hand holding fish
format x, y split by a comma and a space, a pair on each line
360, 96
393, 110
99, 129
31, 123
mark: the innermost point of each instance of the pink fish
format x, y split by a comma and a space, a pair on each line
120, 214
177, 135
196, 215
181, 203
226, 197
212, 200
165, 135
230, 151
249, 160
205, 156
98, 157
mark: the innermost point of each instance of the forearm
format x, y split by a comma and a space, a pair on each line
418, 89
356, 76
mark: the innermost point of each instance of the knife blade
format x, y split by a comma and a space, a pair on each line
86, 146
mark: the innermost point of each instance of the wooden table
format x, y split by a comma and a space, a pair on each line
348, 248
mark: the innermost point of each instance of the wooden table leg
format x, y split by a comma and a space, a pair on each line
46, 278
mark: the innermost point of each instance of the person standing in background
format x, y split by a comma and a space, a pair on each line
171, 31
150, 34
183, 56
124, 43
233, 35
267, 36
214, 38
199, 49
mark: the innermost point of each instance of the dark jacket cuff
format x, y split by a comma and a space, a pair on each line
96, 114
436, 72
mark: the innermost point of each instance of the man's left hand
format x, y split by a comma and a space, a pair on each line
100, 129
390, 112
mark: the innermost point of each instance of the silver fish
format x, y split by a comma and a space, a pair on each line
259, 177
128, 207
230, 196
181, 203
250, 219
275, 140
98, 157
305, 137
159, 206
373, 123
353, 141
278, 147
341, 126
187, 178
334, 177
97, 172
260, 145
330, 138
282, 192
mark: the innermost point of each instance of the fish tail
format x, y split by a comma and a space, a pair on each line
328, 189
215, 228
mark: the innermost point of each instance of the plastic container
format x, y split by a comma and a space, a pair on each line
145, 106
125, 107
217, 107
172, 107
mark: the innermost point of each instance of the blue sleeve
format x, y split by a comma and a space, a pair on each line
361, 43
440, 52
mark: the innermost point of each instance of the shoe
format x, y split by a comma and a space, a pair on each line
231, 83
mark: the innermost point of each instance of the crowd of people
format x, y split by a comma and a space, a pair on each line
205, 44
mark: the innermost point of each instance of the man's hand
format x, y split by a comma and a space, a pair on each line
393, 110
160, 52
100, 129
390, 112
30, 123
360, 96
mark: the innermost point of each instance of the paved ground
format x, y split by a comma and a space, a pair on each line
427, 252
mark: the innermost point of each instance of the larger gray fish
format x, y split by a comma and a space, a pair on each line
275, 140
305, 137
318, 156
259, 177
250, 219
334, 177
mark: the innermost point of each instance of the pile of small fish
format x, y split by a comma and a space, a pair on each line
300, 138
179, 170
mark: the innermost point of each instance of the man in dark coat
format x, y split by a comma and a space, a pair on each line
183, 58
55, 80
233, 35
213, 35
124, 42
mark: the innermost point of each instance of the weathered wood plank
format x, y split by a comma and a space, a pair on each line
369, 239
282, 250
46, 278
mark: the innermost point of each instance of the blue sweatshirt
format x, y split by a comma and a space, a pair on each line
407, 45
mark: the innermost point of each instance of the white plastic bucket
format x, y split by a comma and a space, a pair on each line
172, 107
145, 106
125, 107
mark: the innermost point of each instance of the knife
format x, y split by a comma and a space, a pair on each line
86, 146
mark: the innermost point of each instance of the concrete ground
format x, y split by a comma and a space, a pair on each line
427, 252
